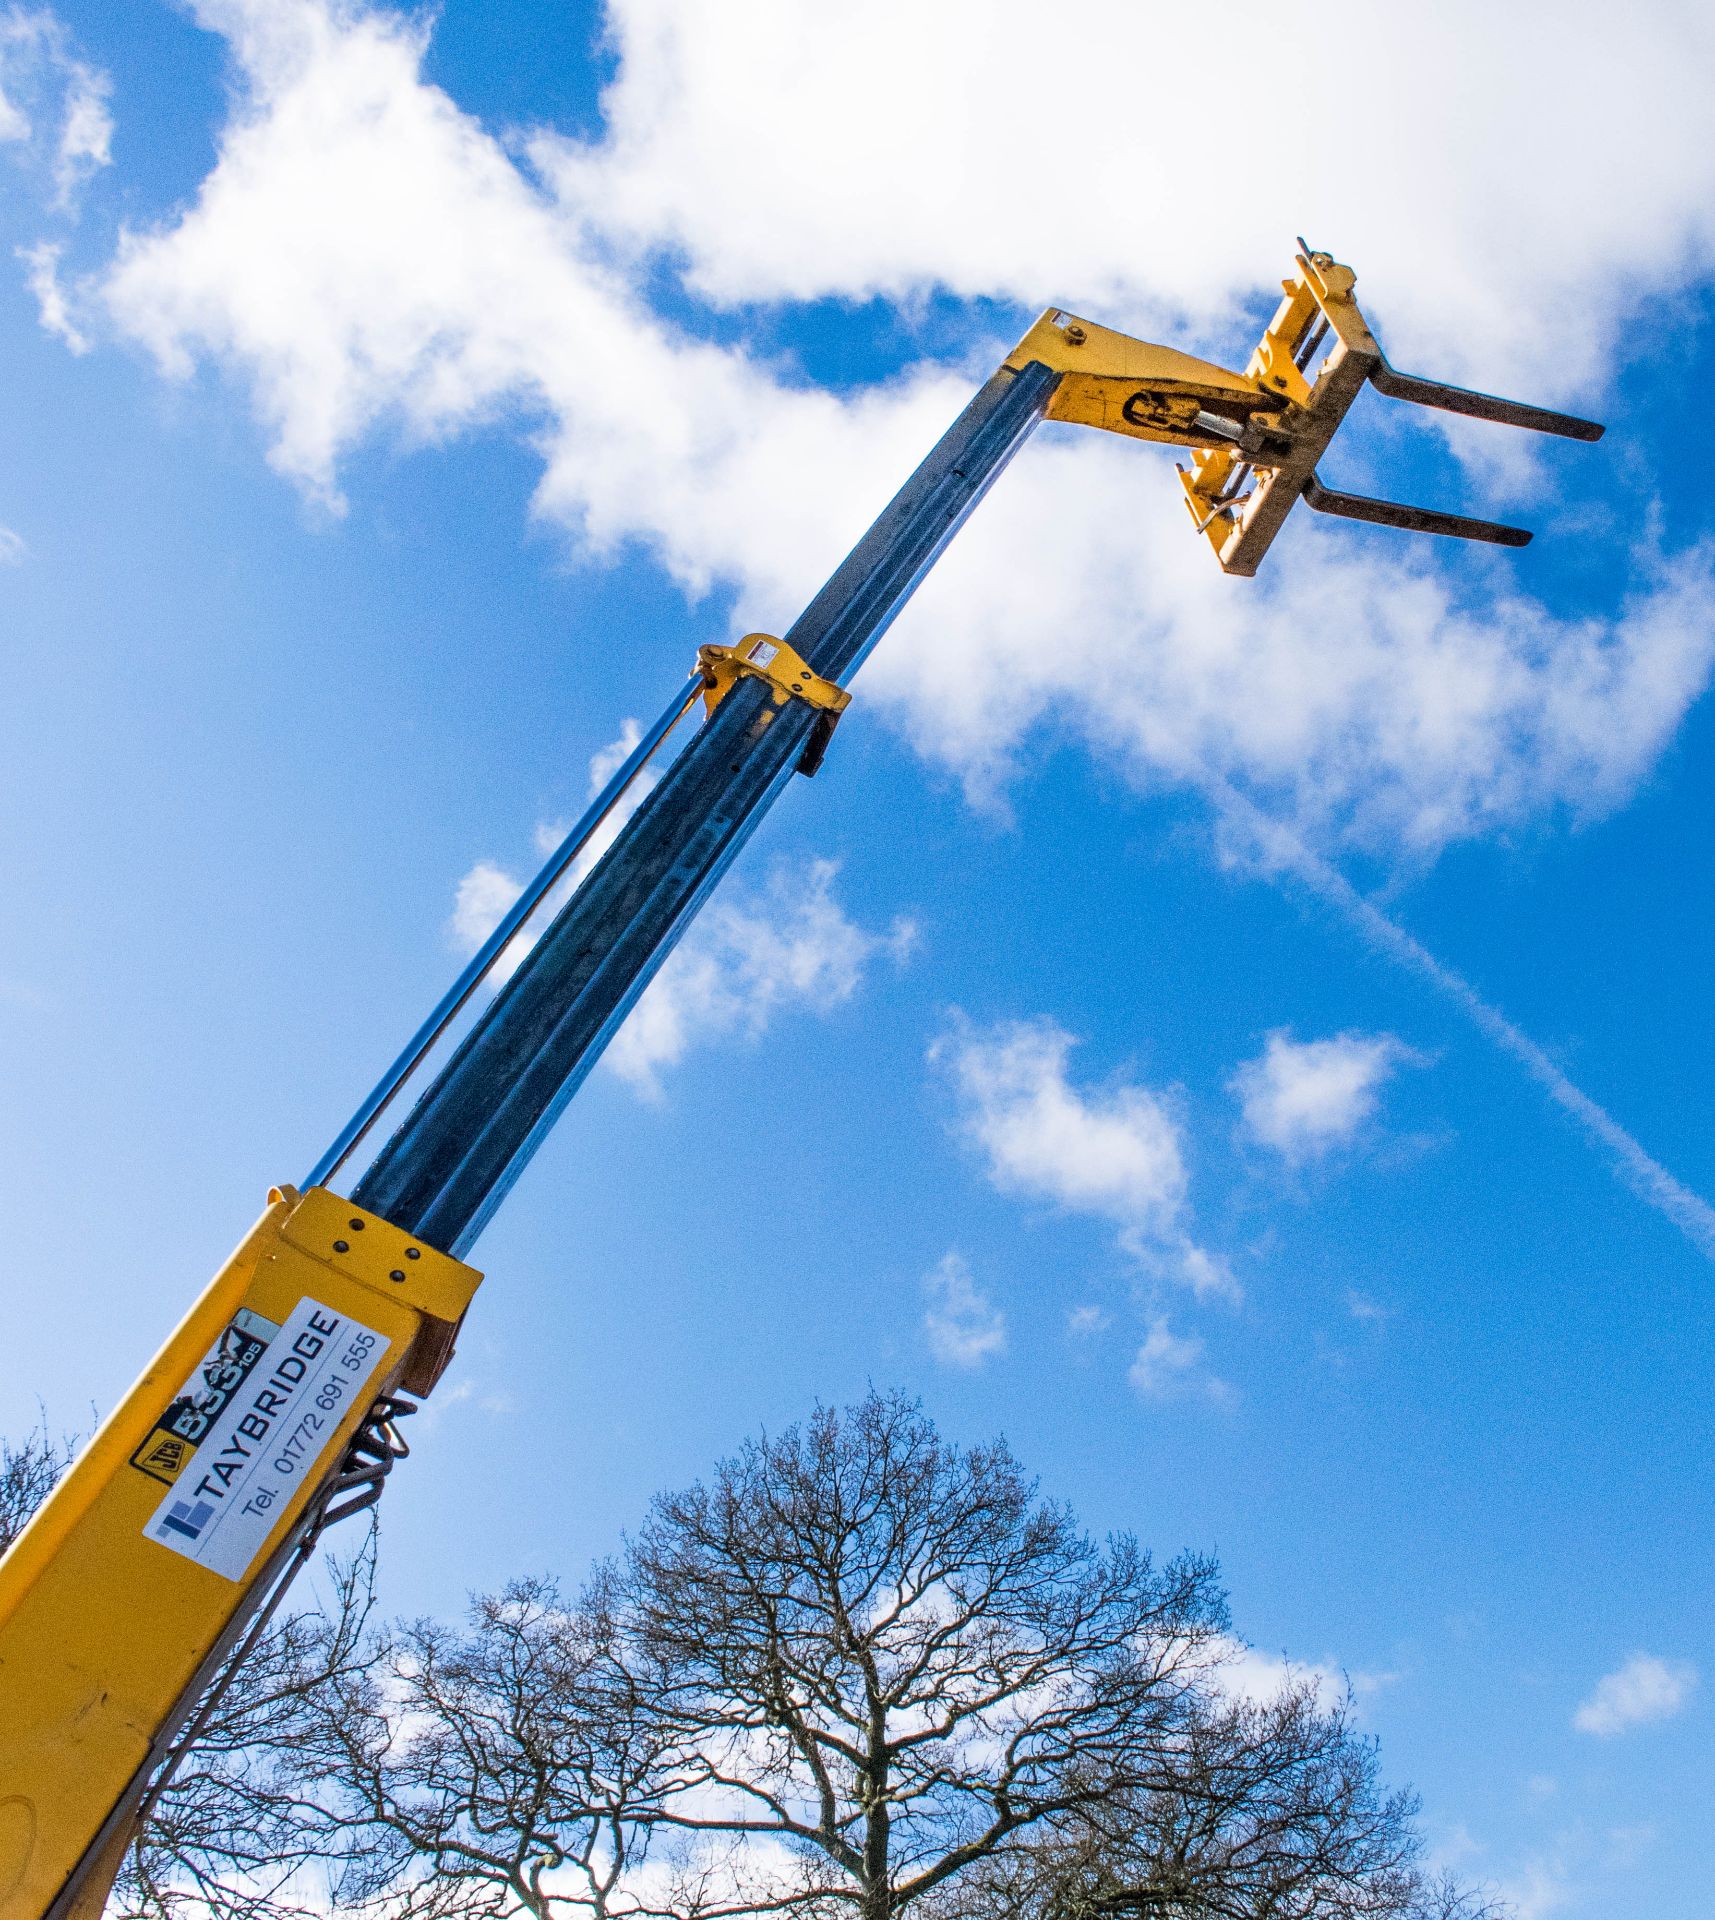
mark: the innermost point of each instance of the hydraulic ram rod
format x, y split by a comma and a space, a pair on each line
451, 1163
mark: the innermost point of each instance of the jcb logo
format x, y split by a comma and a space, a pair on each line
164, 1459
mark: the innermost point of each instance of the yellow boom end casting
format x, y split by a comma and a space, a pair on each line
272, 1411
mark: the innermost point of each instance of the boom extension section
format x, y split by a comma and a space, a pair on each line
1256, 437
126, 1604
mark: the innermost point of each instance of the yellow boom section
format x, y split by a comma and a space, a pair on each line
117, 1595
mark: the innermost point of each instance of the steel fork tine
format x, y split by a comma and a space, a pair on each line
1480, 406
1390, 513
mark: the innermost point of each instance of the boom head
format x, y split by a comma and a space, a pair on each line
1256, 437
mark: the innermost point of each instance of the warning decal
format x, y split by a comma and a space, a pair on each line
266, 1438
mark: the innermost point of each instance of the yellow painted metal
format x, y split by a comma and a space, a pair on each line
761, 656
1127, 386
1263, 429
102, 1628
1240, 526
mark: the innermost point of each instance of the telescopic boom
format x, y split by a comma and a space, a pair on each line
273, 1410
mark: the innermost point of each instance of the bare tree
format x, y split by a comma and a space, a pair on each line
29, 1472
856, 1664
232, 1836
1276, 1813
859, 1672
490, 1771
885, 1658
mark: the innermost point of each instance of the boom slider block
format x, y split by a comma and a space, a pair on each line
1256, 437
788, 676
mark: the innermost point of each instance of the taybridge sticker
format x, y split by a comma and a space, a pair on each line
266, 1438
172, 1440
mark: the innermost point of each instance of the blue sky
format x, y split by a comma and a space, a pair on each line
390, 413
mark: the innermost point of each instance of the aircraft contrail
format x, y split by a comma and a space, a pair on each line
1645, 1175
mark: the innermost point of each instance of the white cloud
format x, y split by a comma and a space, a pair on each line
12, 548
488, 890
86, 133
1282, 851
1115, 1154
1085, 1322
1244, 1672
963, 1324
497, 1403
1366, 1683
746, 958
787, 152
365, 257
1305, 1097
484, 894
1538, 1888
605, 763
53, 309
1642, 1688
51, 99
1581, 1865
1169, 1364
363, 253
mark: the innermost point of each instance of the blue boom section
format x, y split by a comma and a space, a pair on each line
471, 1134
